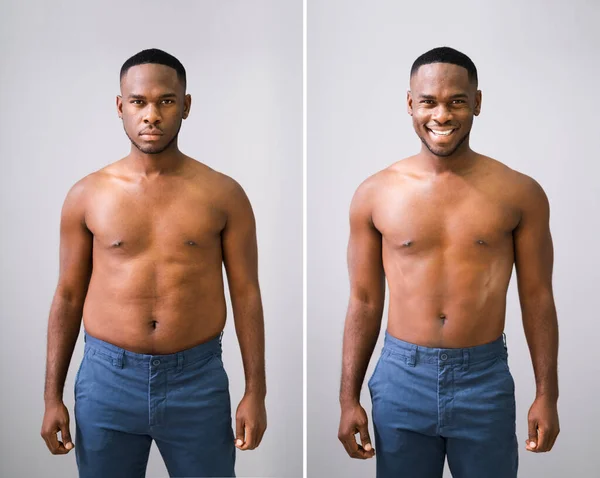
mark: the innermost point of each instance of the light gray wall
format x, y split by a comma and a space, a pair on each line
538, 68
60, 62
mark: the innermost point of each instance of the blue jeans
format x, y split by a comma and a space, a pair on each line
124, 400
429, 403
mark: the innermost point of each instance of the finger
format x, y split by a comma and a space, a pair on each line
239, 432
353, 448
65, 434
260, 436
55, 446
250, 437
349, 443
542, 441
532, 440
553, 441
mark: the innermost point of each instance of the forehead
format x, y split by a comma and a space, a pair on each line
149, 77
441, 77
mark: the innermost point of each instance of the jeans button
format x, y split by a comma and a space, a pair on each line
156, 362
444, 357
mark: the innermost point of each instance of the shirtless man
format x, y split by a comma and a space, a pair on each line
142, 243
445, 227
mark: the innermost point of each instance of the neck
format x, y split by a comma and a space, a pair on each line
166, 162
460, 162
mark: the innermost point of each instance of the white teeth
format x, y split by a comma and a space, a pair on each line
441, 133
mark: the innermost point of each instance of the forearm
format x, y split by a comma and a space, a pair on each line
63, 329
541, 330
249, 325
363, 322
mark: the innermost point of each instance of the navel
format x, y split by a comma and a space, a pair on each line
117, 244
407, 243
190, 243
481, 242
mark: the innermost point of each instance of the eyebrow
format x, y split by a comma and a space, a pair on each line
142, 97
453, 97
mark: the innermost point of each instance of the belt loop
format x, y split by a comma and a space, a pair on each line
118, 360
179, 361
465, 360
504, 341
221, 337
412, 356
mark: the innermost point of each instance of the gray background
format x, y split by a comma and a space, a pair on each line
538, 68
58, 122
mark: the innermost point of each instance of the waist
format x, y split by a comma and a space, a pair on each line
420, 354
120, 356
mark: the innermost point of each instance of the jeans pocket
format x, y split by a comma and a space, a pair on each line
78, 374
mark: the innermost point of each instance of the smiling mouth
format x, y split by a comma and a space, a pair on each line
441, 132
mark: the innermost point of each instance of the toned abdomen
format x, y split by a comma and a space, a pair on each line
452, 296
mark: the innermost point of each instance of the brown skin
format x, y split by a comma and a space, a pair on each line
156, 226
445, 228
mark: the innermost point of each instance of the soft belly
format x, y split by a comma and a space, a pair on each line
155, 307
448, 302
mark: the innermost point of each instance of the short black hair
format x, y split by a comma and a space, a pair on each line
446, 54
156, 56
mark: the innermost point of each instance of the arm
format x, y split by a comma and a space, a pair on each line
534, 262
241, 264
363, 320
75, 266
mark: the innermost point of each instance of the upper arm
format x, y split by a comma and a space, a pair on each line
365, 263
240, 254
533, 243
75, 257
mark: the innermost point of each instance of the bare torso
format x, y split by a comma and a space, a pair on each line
447, 248
157, 282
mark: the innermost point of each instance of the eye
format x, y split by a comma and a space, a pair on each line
136, 102
427, 102
457, 102
168, 102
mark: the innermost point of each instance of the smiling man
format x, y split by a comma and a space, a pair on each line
142, 244
445, 227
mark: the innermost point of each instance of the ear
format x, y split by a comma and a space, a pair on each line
477, 109
187, 105
409, 102
120, 106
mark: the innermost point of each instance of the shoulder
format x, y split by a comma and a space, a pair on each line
225, 193
378, 188
524, 191
390, 179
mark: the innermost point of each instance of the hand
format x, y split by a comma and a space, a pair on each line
251, 422
56, 419
354, 420
543, 425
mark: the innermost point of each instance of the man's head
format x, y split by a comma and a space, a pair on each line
153, 102
443, 98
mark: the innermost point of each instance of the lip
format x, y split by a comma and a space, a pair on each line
151, 135
441, 136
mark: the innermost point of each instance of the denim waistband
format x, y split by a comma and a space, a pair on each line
119, 356
417, 353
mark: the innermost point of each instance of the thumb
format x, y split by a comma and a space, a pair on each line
365, 439
239, 431
66, 436
532, 433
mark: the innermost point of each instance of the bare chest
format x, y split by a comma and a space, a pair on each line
424, 220
126, 223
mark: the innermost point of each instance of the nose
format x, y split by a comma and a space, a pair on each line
152, 114
441, 114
